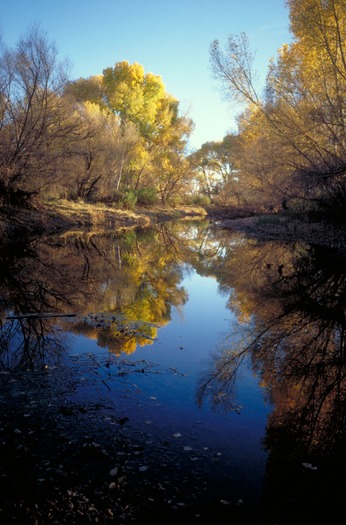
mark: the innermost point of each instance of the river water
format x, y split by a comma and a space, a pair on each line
208, 367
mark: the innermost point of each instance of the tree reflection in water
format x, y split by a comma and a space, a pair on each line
290, 304
30, 343
291, 300
30, 283
130, 275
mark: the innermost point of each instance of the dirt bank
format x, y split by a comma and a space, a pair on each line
287, 228
65, 215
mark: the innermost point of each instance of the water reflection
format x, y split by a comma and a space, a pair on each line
30, 343
121, 287
293, 299
290, 301
30, 285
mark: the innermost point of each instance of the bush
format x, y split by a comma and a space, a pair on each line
201, 200
130, 199
125, 199
146, 196
175, 200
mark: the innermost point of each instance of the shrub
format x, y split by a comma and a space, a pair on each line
146, 196
201, 200
130, 199
125, 199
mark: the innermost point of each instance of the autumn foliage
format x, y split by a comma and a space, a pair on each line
117, 137
293, 135
120, 138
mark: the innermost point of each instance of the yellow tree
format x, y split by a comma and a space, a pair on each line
264, 163
302, 109
89, 89
217, 166
319, 69
103, 153
140, 99
134, 95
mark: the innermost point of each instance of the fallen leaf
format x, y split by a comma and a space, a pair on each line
309, 466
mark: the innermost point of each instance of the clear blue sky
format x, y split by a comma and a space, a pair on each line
170, 38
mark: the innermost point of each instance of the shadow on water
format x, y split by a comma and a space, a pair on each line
71, 455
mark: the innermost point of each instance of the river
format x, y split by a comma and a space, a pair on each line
182, 374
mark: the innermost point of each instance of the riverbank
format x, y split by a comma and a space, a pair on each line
283, 227
67, 215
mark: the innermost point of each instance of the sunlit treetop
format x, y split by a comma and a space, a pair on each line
134, 96
138, 96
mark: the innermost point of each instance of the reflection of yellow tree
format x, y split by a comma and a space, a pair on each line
133, 274
296, 298
295, 338
117, 332
144, 287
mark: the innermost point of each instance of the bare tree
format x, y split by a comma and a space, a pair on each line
36, 124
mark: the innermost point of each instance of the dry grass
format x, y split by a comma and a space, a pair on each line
90, 215
66, 215
101, 215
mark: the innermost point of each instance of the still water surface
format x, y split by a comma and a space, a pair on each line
226, 352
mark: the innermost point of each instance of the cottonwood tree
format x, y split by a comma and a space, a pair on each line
234, 69
217, 166
302, 112
139, 99
134, 95
102, 155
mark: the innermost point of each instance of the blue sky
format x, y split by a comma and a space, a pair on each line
170, 38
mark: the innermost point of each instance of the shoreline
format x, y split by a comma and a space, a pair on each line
16, 223
65, 215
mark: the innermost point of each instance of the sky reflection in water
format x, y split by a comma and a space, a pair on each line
185, 344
